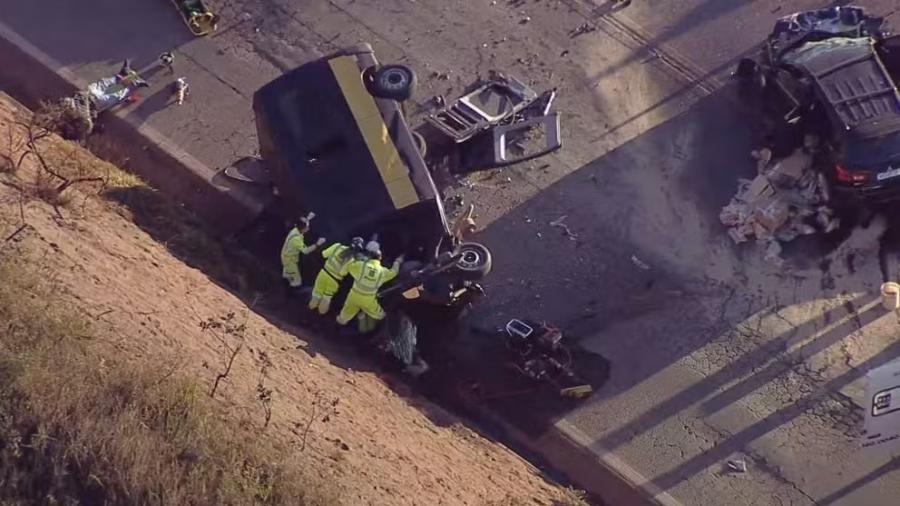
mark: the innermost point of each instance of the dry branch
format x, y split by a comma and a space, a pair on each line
224, 374
19, 230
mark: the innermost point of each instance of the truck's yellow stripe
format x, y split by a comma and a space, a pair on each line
393, 171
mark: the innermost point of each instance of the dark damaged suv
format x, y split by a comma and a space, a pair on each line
834, 73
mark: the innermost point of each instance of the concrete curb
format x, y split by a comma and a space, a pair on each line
31, 76
638, 484
571, 453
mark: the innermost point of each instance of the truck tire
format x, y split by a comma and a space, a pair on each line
421, 145
396, 82
475, 262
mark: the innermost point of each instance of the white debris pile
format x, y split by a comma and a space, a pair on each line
785, 200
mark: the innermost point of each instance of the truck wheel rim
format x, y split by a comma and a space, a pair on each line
394, 79
470, 260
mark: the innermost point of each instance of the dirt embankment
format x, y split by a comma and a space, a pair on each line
143, 310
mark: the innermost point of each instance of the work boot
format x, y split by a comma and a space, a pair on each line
417, 368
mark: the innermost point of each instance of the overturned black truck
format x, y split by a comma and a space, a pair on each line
333, 140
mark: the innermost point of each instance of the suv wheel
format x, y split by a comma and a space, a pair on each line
475, 262
396, 82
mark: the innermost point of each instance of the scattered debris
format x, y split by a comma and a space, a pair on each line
518, 120
773, 253
582, 29
788, 198
537, 351
525, 20
167, 60
639, 263
737, 465
181, 90
559, 224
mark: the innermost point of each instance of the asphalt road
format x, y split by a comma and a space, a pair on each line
714, 354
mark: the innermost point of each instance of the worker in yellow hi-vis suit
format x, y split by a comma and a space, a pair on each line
368, 276
329, 279
293, 247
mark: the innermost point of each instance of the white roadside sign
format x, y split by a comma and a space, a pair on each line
882, 424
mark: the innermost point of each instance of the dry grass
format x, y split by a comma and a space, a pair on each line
63, 173
186, 238
77, 427
48, 167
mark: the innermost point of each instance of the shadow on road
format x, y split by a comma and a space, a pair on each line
881, 472
148, 105
770, 355
645, 217
650, 277
739, 441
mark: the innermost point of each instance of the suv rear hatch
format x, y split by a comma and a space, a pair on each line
859, 95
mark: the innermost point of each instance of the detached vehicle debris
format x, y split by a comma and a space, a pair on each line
833, 73
539, 353
506, 115
333, 140
535, 351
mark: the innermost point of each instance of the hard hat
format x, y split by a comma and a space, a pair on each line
357, 243
374, 248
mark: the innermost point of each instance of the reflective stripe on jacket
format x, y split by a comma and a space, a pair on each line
369, 275
335, 260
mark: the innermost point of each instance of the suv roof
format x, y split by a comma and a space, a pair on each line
849, 76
